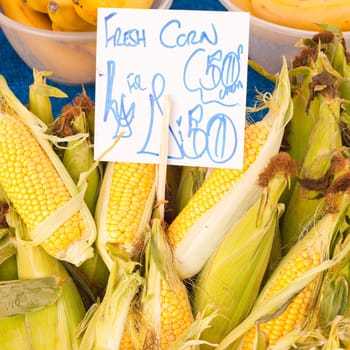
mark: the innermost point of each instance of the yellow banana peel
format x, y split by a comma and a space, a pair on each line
303, 14
37, 5
64, 17
244, 5
20, 11
87, 9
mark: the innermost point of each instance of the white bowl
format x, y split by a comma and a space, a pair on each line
71, 57
269, 42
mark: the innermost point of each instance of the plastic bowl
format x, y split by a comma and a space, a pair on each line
269, 42
71, 57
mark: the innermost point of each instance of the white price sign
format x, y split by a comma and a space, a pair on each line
199, 59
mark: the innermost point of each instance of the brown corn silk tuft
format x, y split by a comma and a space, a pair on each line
279, 163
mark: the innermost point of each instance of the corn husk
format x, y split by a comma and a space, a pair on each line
60, 317
80, 250
320, 237
192, 253
231, 279
40, 94
105, 323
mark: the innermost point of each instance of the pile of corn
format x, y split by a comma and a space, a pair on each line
108, 255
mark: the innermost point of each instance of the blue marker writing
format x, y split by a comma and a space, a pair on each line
171, 36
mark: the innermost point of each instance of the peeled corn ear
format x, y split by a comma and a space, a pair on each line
39, 187
231, 279
169, 323
291, 291
218, 204
124, 207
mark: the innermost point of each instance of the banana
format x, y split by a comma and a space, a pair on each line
303, 14
19, 11
37, 5
65, 18
87, 9
243, 5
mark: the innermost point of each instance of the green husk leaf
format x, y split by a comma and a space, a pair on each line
14, 333
60, 317
104, 324
78, 158
39, 96
305, 202
22, 296
190, 180
7, 248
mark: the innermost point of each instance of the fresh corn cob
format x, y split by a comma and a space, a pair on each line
333, 44
334, 297
325, 139
165, 302
86, 104
123, 210
291, 292
330, 316
13, 331
312, 78
124, 207
62, 317
305, 101
218, 182
227, 193
231, 279
77, 155
39, 187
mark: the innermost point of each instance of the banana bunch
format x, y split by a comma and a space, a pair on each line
63, 15
300, 14
87, 9
20, 11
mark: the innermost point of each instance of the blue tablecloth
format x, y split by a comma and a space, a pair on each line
19, 76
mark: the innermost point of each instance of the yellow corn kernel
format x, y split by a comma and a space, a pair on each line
296, 311
129, 192
33, 185
176, 314
126, 341
165, 304
124, 207
218, 183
